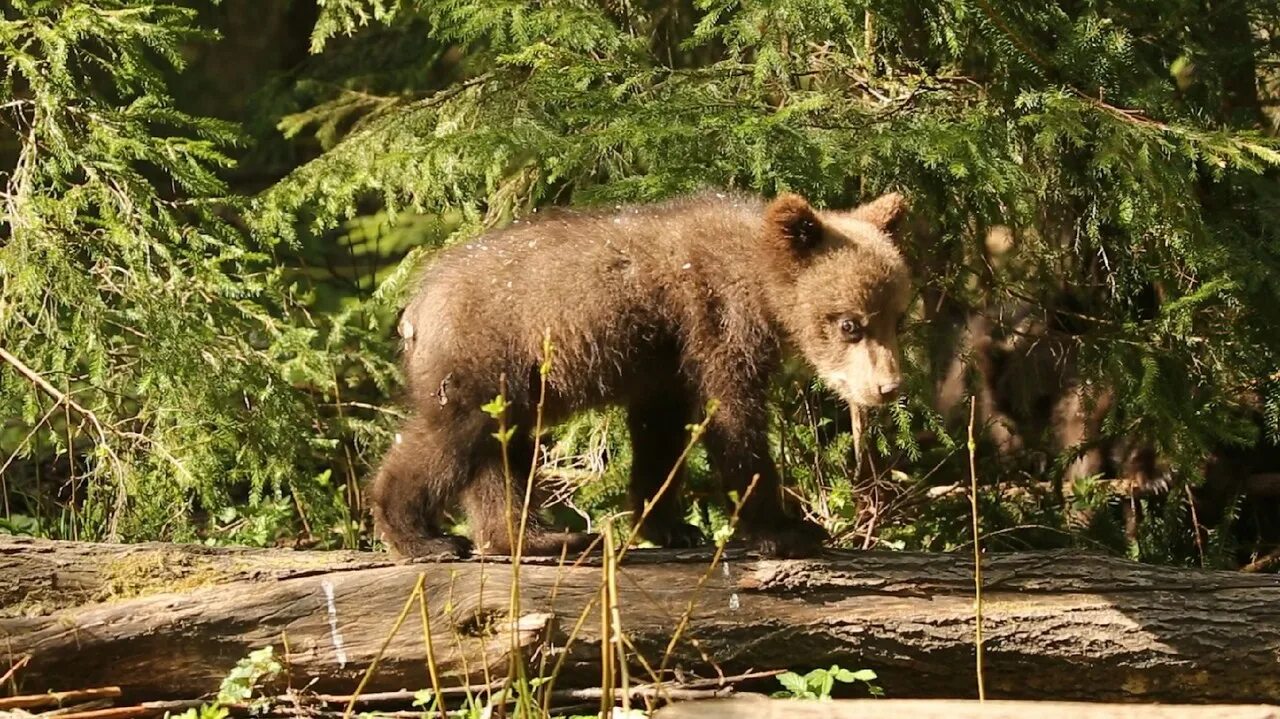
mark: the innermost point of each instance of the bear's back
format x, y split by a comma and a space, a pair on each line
609, 285
569, 265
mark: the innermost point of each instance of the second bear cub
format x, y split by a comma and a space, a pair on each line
657, 308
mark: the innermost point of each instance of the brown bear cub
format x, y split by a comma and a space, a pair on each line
657, 308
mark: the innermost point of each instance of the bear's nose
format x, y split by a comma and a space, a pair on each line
889, 389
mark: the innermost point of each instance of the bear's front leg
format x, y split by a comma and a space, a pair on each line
419, 476
738, 449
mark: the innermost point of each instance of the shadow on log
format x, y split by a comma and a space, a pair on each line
171, 620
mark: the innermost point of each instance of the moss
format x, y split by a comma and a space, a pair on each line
155, 572
138, 572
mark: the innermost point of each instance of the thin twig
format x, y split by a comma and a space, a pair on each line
426, 640
615, 621
102, 429
38, 380
1265, 563
977, 550
1195, 523
130, 712
715, 560
373, 666
29, 701
607, 646
13, 669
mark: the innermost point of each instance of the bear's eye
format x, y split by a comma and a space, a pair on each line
852, 330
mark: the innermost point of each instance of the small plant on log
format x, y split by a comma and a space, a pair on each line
818, 683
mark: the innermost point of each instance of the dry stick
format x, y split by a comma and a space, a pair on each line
615, 619
13, 669
573, 634
1195, 523
544, 369
88, 414
457, 640
589, 692
352, 494
431, 654
977, 550
392, 697
517, 659
606, 644
484, 664
288, 671
693, 641
29, 701
715, 559
1263, 564
644, 663
113, 713
414, 714
855, 428
543, 656
869, 39
373, 666
608, 590
514, 541
643, 692
79, 709
686, 616
66, 413
606, 648
49, 389
516, 535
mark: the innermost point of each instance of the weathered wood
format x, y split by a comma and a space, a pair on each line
952, 709
1059, 625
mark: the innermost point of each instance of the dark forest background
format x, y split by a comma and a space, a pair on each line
212, 213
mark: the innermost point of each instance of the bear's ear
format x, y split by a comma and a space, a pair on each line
791, 226
883, 212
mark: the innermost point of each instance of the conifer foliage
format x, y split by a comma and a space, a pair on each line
150, 351
158, 342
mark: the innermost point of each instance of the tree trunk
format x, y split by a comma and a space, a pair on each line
170, 621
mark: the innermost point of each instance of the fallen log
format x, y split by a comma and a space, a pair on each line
1058, 625
953, 709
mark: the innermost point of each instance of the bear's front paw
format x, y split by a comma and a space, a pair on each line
430, 549
791, 540
680, 536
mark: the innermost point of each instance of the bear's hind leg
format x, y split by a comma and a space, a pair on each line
493, 515
658, 436
418, 477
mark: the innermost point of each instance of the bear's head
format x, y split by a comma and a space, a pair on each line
840, 288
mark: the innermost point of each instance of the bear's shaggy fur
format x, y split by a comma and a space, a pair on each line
658, 308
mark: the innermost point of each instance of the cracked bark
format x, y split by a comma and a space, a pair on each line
168, 620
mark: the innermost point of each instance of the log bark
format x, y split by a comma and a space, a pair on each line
170, 621
953, 709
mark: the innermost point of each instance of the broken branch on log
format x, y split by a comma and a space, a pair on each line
1062, 625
